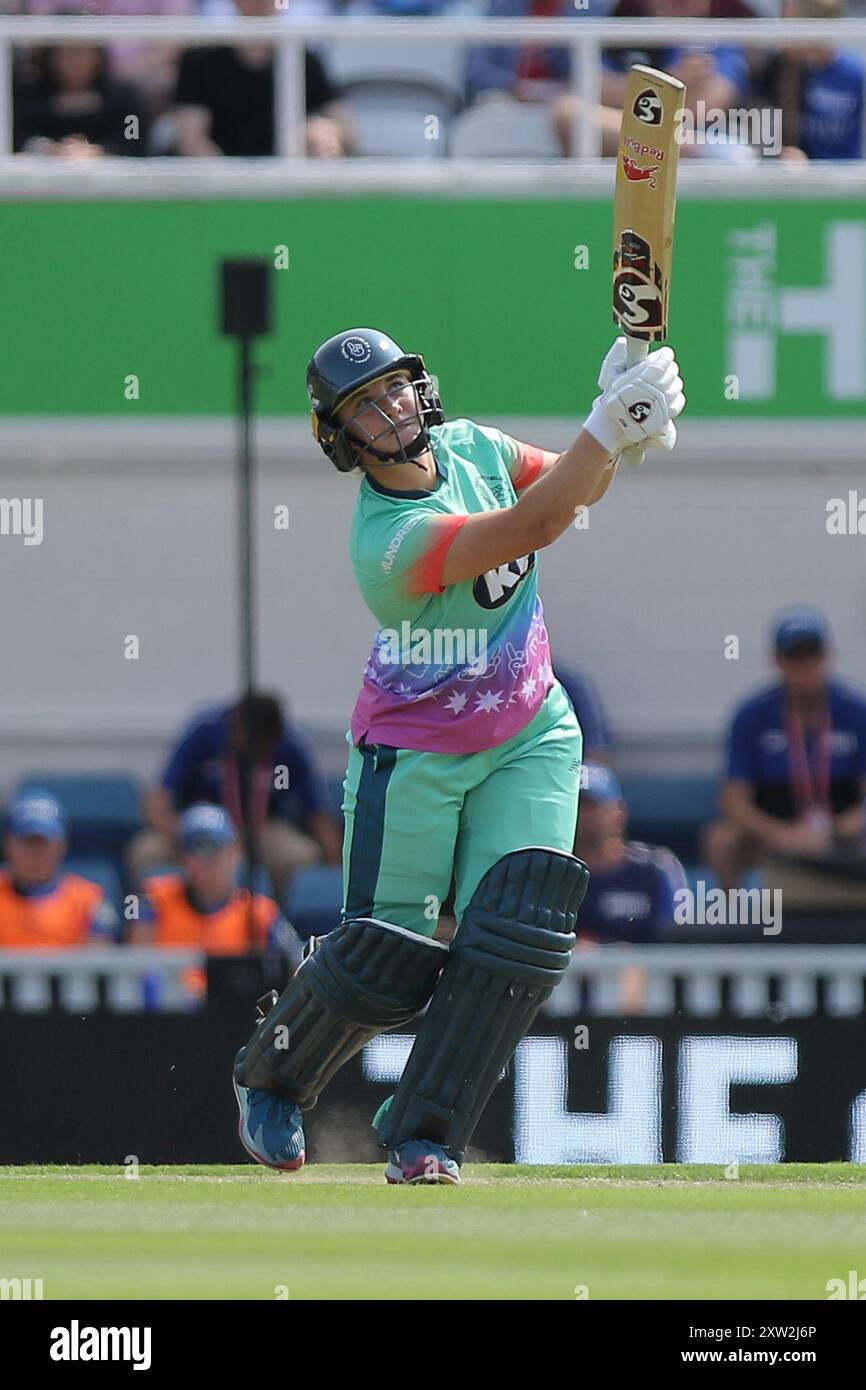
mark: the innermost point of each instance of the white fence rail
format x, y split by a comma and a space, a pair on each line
807, 978
584, 37
82, 977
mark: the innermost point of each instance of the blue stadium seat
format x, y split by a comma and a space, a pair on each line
261, 881
104, 810
101, 871
671, 811
314, 900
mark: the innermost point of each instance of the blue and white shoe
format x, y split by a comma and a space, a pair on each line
418, 1160
270, 1128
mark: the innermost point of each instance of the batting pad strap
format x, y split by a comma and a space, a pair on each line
513, 945
362, 979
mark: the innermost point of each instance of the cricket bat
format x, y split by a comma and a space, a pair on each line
643, 212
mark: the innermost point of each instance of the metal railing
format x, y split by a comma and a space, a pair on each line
86, 978
753, 981
584, 37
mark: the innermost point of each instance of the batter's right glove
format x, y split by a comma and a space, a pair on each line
640, 405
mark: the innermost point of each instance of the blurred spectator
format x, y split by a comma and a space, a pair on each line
527, 73
427, 8
591, 715
796, 776
716, 75
630, 897
152, 66
68, 104
819, 90
289, 800
40, 906
225, 100
294, 9
203, 907
631, 886
537, 72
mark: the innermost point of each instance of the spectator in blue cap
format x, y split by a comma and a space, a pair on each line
40, 905
202, 906
630, 898
631, 885
796, 760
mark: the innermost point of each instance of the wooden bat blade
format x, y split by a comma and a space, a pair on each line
645, 202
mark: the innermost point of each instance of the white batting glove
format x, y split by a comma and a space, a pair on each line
659, 441
614, 364
640, 405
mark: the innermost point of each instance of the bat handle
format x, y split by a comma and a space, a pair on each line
636, 351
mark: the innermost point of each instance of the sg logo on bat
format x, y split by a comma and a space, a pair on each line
638, 288
648, 107
637, 304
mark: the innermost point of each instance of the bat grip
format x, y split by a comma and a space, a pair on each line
636, 351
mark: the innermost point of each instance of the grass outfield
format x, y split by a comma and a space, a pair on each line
338, 1231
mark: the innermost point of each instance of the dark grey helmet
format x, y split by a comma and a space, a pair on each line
341, 366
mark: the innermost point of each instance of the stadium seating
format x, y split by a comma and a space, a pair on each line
101, 871
404, 120
437, 66
671, 811
104, 810
503, 129
314, 899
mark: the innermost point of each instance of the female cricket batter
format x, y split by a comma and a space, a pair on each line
465, 753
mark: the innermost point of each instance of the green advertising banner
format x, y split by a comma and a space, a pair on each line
110, 308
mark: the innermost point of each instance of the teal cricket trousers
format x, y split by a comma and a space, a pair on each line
414, 819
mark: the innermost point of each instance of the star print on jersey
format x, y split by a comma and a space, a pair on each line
528, 688
456, 702
489, 703
457, 668
512, 683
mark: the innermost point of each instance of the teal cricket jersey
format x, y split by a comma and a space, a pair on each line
456, 669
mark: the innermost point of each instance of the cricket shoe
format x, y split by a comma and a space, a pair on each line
418, 1160
270, 1128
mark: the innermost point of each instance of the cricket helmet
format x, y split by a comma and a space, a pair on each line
341, 366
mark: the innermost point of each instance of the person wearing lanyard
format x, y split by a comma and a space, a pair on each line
288, 799
796, 767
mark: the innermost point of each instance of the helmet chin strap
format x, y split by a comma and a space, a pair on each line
409, 452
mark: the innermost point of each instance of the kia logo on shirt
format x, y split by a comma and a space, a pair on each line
494, 588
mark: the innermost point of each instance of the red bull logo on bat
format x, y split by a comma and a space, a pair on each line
640, 148
639, 173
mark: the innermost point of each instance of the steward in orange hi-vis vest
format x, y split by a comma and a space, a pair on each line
40, 906
62, 914
223, 932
